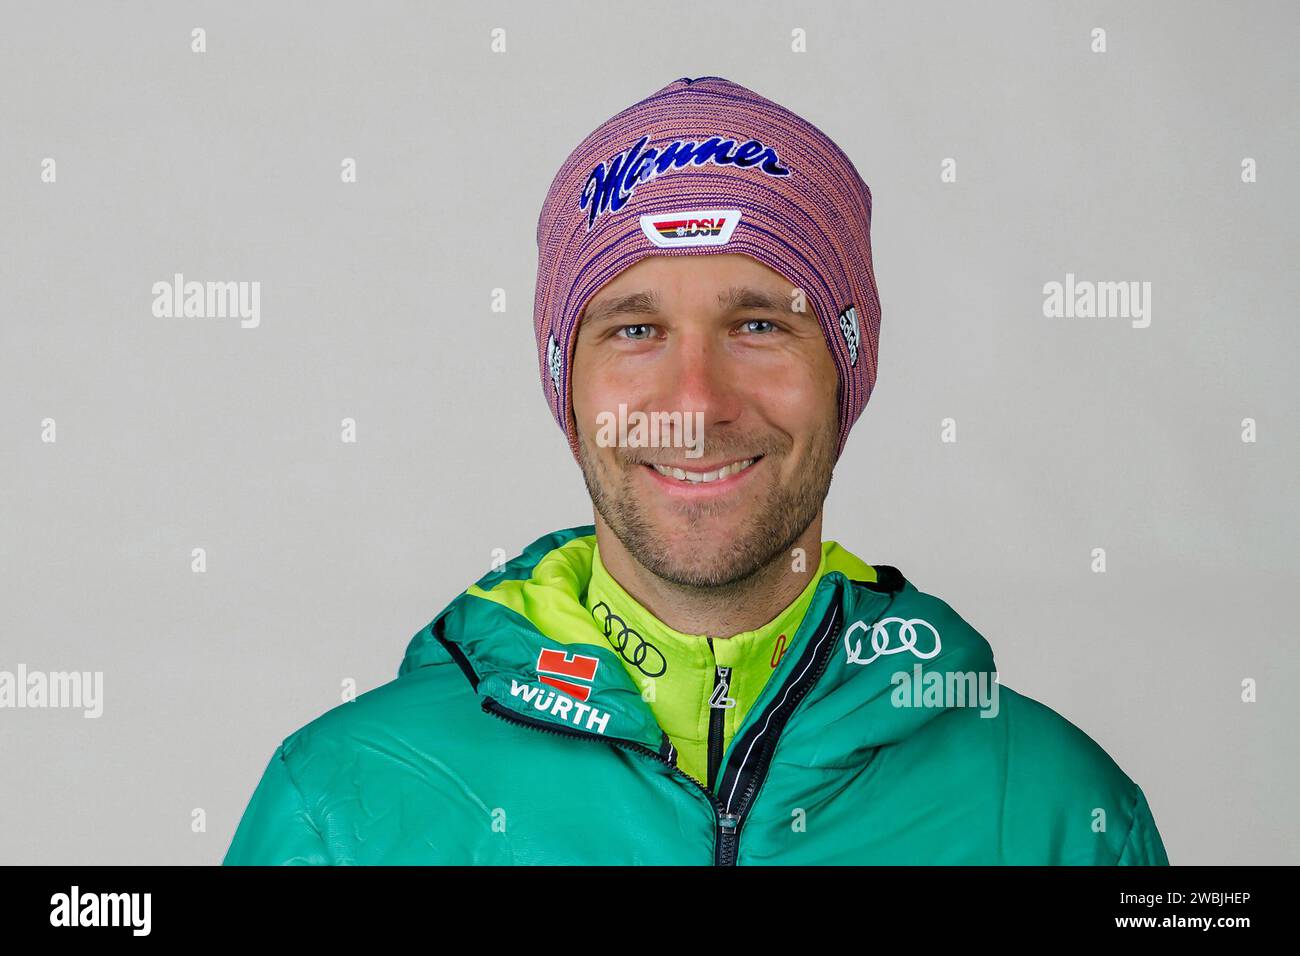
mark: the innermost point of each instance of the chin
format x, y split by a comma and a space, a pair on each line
702, 557
694, 572
698, 536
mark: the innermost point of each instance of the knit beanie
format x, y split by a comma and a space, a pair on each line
706, 166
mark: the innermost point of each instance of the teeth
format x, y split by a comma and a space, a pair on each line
699, 477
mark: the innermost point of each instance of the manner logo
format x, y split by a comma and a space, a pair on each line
610, 185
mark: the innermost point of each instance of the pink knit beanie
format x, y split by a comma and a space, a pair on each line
707, 166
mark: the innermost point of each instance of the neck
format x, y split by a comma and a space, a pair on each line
718, 612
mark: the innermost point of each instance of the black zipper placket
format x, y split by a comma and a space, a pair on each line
717, 717
741, 781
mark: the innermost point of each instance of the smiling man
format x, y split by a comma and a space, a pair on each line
698, 677
717, 338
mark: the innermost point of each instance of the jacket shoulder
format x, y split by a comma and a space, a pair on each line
289, 818
1058, 787
423, 702
945, 637
1045, 745
1052, 762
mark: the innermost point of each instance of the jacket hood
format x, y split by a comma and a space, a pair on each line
874, 660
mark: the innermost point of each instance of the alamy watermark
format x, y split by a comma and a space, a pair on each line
208, 300
75, 908
82, 690
946, 689
1085, 299
651, 430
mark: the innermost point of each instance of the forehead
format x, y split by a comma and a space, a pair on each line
696, 268
732, 280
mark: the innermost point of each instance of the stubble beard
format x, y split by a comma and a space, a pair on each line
761, 542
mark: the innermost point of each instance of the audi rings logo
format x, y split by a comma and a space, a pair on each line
645, 656
883, 642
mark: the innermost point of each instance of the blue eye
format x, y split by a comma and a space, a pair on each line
765, 322
626, 328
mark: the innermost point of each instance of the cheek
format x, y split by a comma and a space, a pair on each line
605, 377
598, 387
824, 387
800, 397
585, 384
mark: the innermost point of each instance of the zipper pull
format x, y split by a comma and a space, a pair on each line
728, 821
721, 686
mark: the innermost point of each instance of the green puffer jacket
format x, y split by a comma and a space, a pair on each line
870, 744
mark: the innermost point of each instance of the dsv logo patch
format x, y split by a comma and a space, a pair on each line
631, 646
892, 635
700, 227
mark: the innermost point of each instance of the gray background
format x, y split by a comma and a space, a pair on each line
324, 558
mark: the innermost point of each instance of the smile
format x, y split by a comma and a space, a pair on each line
702, 477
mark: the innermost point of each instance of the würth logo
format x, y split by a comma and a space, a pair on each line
562, 671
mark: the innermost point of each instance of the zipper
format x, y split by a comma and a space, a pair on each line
718, 702
724, 821
740, 783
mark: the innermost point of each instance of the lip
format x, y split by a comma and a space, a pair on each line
692, 464
703, 490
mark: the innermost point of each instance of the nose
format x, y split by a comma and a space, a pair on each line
701, 376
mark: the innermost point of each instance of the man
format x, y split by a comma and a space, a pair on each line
698, 677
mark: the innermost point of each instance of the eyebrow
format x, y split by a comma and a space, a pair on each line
742, 297
734, 299
638, 303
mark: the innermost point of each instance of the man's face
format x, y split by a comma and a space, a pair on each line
724, 336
